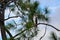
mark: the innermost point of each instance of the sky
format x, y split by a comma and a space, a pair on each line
54, 6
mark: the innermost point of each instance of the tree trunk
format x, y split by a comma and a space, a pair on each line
3, 33
2, 27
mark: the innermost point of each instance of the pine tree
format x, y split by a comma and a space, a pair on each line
27, 10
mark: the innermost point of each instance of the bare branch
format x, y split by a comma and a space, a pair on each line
9, 14
8, 32
15, 23
49, 25
11, 17
18, 7
20, 33
43, 34
35, 25
15, 16
9, 1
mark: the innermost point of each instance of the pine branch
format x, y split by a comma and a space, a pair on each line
43, 34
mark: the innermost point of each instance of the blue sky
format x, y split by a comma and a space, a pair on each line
50, 3
54, 6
